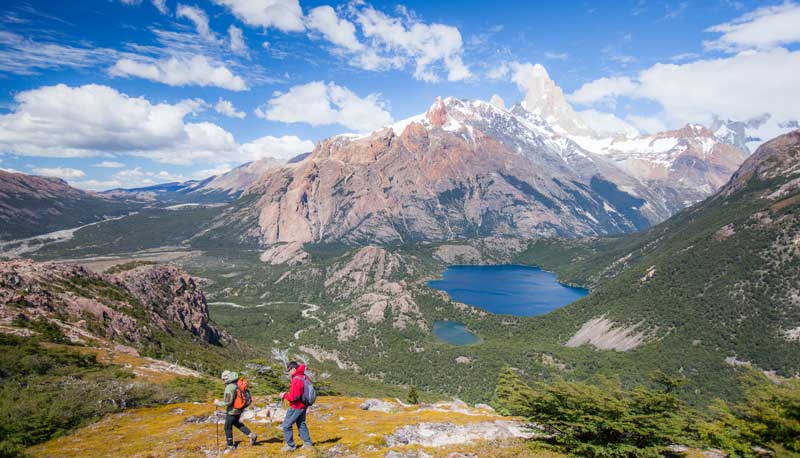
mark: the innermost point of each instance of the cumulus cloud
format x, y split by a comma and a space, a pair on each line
95, 120
602, 90
390, 42
754, 83
763, 28
283, 147
285, 15
199, 18
180, 71
405, 39
59, 172
758, 77
318, 103
226, 108
236, 41
109, 165
338, 31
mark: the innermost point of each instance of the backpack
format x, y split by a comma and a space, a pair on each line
243, 398
309, 396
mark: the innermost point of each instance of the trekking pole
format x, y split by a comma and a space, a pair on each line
216, 423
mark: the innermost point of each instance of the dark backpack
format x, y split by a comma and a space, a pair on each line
309, 396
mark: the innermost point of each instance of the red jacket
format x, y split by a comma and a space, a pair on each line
296, 389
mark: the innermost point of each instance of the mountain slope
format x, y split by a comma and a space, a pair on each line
32, 205
712, 288
448, 174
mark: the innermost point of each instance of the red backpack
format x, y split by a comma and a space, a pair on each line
243, 398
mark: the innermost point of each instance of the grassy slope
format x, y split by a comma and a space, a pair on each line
711, 297
334, 422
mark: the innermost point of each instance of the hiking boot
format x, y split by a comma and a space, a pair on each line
253, 437
230, 448
308, 446
287, 448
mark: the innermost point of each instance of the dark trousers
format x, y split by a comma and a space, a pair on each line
297, 416
231, 421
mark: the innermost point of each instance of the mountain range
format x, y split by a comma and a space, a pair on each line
473, 168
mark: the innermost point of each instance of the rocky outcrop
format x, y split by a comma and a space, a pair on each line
291, 254
457, 254
443, 434
172, 295
128, 307
604, 334
779, 157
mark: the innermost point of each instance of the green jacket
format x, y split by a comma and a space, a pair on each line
228, 397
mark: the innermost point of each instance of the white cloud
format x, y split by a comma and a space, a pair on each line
602, 90
498, 72
606, 123
199, 18
284, 147
59, 172
180, 71
95, 120
285, 15
138, 177
109, 165
25, 56
161, 6
742, 87
318, 103
236, 41
215, 171
648, 124
397, 40
763, 28
97, 185
338, 31
225, 107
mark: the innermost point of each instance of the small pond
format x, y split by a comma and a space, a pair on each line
454, 333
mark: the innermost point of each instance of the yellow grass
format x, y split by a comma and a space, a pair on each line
334, 422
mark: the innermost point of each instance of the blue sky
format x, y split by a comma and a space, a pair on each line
111, 93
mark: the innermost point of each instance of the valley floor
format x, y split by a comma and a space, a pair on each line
340, 428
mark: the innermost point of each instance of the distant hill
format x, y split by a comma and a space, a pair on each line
32, 205
223, 188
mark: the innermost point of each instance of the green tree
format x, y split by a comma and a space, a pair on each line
512, 396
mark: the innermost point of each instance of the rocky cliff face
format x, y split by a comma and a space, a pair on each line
129, 307
172, 298
464, 169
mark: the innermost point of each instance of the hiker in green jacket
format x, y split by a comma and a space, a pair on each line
234, 406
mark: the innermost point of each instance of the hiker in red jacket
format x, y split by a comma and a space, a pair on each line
297, 409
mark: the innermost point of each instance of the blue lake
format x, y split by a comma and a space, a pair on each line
454, 333
507, 289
